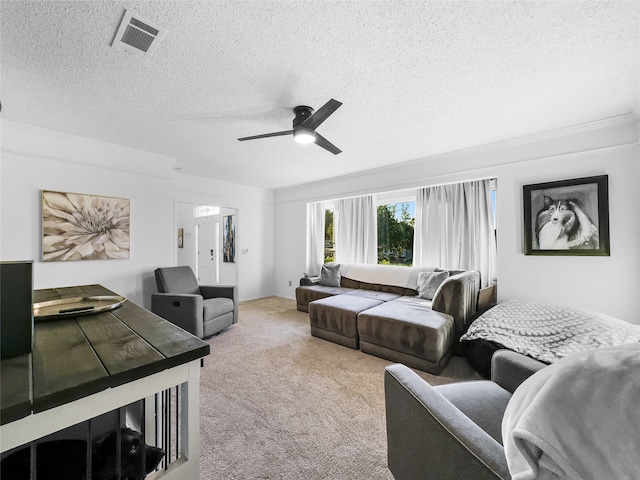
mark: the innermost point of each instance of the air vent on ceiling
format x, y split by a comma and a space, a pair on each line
136, 35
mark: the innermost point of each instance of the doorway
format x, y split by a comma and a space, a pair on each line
200, 242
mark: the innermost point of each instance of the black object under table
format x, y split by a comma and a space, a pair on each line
84, 365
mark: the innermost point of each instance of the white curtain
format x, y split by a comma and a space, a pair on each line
356, 230
315, 238
454, 229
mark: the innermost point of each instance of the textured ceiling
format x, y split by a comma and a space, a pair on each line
415, 78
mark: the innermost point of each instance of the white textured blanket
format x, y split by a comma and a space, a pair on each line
578, 419
395, 275
550, 332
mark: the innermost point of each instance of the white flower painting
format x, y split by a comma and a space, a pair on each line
84, 227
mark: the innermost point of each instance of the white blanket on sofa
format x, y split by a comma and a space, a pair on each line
577, 419
395, 275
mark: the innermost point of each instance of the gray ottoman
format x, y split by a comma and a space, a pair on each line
407, 333
335, 318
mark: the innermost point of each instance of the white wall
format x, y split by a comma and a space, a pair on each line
34, 159
607, 284
187, 255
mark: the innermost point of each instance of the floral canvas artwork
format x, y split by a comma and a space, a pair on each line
84, 227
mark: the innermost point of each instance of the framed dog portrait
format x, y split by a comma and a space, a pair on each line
567, 217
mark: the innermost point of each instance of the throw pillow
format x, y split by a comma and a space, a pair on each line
428, 283
330, 275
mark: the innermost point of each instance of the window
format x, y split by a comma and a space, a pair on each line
494, 204
329, 237
205, 211
396, 213
396, 222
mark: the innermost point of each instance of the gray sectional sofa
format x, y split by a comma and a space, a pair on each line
378, 309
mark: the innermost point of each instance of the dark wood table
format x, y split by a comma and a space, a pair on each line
76, 357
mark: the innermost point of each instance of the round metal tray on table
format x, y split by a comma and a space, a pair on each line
74, 306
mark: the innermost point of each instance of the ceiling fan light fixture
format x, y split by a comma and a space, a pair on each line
304, 136
304, 126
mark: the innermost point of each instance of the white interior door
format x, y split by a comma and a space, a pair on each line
208, 272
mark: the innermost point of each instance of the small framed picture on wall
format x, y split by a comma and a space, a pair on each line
229, 240
567, 217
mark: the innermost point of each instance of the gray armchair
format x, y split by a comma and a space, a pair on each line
451, 431
199, 309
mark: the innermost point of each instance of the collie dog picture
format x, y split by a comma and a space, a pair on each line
568, 217
562, 224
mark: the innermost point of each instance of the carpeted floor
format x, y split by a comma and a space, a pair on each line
277, 403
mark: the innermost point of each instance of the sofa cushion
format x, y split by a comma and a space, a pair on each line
379, 287
330, 275
349, 283
305, 295
428, 283
483, 401
408, 328
339, 313
382, 296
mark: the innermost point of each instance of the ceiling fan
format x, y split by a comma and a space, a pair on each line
304, 126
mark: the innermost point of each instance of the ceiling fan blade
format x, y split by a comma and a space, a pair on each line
326, 144
321, 114
266, 135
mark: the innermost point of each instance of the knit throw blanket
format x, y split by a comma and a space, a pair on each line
549, 332
398, 276
577, 418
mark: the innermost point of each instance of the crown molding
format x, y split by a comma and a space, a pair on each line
619, 131
28, 140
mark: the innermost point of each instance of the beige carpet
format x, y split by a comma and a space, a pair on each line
277, 403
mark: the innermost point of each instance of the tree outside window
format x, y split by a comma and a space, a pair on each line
396, 224
329, 238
